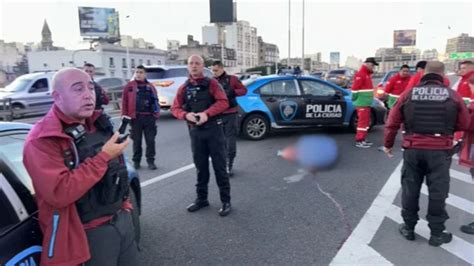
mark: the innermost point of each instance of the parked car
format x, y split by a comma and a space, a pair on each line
292, 101
28, 94
20, 235
111, 84
341, 77
167, 80
318, 74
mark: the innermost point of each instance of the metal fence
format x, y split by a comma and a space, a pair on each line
17, 108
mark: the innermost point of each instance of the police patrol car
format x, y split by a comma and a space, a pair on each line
292, 101
20, 235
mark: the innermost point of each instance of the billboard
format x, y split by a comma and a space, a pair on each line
221, 11
98, 22
334, 58
404, 38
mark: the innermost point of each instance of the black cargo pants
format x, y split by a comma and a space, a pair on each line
208, 141
230, 133
113, 243
143, 125
434, 166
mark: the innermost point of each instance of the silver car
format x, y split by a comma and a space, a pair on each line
167, 80
27, 94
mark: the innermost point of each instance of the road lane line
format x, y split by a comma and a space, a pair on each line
356, 250
164, 176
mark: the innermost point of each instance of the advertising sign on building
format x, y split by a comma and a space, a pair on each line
404, 38
98, 22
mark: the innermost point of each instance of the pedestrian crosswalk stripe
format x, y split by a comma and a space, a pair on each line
455, 201
461, 176
458, 246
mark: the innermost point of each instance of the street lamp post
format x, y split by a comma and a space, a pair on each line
128, 54
302, 42
289, 32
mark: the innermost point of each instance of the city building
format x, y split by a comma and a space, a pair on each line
241, 37
390, 58
460, 44
110, 60
210, 52
353, 62
268, 53
47, 39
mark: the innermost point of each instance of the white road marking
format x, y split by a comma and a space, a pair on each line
356, 249
164, 176
458, 246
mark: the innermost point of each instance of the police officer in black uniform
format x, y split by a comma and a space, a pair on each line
431, 113
101, 98
233, 88
140, 103
200, 101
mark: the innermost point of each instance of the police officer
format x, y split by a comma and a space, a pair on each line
101, 98
233, 88
82, 194
431, 113
200, 101
140, 102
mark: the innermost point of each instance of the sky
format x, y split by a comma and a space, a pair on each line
349, 27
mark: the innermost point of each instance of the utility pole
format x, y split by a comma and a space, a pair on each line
302, 48
289, 32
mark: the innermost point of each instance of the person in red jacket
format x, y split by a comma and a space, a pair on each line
233, 88
101, 98
201, 101
397, 84
431, 112
362, 98
70, 155
466, 70
466, 156
140, 103
420, 71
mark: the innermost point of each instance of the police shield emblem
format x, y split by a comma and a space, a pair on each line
288, 110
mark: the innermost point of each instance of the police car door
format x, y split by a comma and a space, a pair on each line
283, 99
323, 104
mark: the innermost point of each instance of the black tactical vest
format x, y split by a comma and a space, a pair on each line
99, 97
144, 99
197, 98
430, 109
106, 196
229, 91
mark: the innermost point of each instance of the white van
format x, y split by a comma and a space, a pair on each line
28, 94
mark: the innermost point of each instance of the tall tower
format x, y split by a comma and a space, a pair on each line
46, 41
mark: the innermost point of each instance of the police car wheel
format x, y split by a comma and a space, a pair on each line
255, 127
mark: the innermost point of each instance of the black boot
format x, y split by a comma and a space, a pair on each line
136, 165
152, 166
406, 232
225, 210
468, 228
439, 239
197, 205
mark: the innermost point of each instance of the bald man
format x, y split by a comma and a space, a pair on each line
201, 101
80, 179
431, 113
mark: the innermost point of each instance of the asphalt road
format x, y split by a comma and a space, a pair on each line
279, 216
